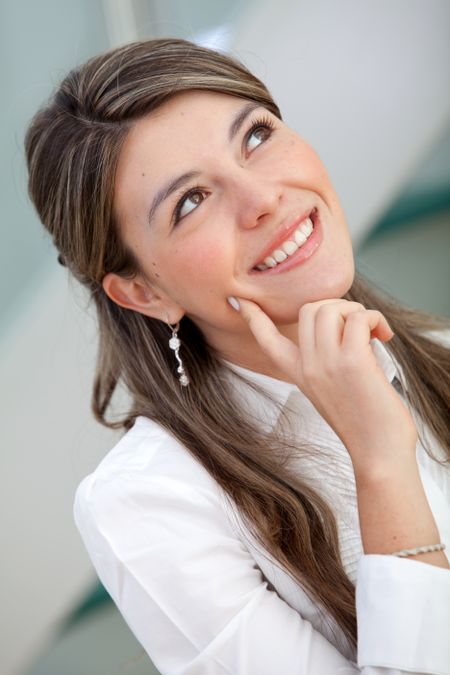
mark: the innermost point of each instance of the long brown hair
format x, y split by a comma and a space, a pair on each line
72, 148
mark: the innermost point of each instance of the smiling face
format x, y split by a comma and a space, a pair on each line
253, 187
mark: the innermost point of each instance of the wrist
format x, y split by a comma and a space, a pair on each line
437, 558
401, 466
394, 513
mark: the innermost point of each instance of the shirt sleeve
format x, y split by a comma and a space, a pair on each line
197, 602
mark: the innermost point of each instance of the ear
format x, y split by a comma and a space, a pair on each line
140, 296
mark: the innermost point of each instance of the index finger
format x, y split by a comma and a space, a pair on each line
278, 348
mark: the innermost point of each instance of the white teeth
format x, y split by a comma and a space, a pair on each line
306, 227
279, 255
300, 238
289, 247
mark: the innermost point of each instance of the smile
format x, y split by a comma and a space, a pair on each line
298, 246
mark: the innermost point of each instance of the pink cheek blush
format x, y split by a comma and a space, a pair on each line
201, 261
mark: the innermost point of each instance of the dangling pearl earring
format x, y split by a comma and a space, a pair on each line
175, 344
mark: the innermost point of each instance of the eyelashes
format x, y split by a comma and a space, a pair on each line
176, 214
263, 122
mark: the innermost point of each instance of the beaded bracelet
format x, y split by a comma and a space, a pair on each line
422, 549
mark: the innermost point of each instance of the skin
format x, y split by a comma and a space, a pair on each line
249, 187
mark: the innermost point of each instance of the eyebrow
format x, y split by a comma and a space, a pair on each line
179, 181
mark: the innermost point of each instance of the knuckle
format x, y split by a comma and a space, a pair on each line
270, 344
356, 305
310, 373
348, 364
359, 315
329, 369
304, 310
250, 319
325, 310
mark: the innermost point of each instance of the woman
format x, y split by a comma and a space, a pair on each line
282, 446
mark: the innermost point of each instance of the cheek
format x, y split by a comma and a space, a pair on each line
198, 264
304, 159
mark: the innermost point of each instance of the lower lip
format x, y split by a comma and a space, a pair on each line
301, 255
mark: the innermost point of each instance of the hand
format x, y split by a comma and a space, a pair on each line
335, 367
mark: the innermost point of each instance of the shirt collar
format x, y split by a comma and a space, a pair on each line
268, 414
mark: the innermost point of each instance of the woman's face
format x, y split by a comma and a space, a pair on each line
249, 193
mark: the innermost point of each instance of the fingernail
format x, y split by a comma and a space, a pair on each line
234, 302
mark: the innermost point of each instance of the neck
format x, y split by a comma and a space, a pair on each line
243, 350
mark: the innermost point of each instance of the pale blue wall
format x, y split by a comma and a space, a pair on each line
39, 42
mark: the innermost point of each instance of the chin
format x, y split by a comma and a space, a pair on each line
285, 312
337, 285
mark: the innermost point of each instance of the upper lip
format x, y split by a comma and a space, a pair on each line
283, 233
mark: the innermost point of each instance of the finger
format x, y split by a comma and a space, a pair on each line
278, 348
306, 332
361, 327
329, 326
320, 308
383, 330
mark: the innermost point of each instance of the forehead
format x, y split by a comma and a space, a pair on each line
180, 122
186, 108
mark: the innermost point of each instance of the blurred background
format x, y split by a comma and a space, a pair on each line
367, 84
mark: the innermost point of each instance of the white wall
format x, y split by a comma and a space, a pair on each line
366, 83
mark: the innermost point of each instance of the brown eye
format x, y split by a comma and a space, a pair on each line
261, 129
195, 196
261, 133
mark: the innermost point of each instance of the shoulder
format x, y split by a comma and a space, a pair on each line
147, 468
148, 450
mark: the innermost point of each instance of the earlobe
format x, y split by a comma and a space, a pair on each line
137, 295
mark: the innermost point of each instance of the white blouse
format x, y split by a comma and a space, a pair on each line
203, 598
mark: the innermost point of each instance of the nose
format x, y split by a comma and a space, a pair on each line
256, 198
